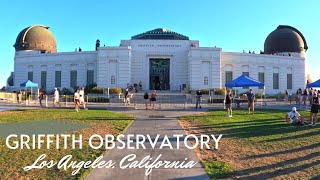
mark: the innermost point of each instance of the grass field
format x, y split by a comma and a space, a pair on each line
96, 121
257, 146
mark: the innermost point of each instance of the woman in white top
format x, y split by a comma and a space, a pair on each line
77, 100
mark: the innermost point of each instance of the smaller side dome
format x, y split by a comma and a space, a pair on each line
36, 37
285, 39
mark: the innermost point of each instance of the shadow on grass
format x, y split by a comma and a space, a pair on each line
106, 118
280, 165
303, 148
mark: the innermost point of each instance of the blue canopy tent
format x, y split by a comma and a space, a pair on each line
30, 84
314, 84
244, 81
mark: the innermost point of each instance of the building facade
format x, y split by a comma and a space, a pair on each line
159, 59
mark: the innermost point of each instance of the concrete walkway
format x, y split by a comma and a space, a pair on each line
152, 126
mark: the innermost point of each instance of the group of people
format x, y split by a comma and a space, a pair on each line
250, 98
302, 97
150, 99
294, 117
78, 98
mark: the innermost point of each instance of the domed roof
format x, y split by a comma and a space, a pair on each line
285, 39
160, 33
36, 37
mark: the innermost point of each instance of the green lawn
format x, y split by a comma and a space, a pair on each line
257, 146
93, 121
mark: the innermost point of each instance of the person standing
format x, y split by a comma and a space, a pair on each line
305, 96
146, 99
198, 99
140, 85
314, 109
56, 97
251, 99
40, 97
286, 95
153, 98
310, 96
20, 97
229, 104
82, 101
299, 96
126, 97
76, 97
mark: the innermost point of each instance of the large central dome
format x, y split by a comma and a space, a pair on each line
285, 39
36, 37
160, 33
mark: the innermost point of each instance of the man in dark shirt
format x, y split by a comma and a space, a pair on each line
251, 99
229, 103
314, 109
198, 99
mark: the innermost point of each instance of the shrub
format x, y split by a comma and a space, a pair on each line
65, 91
88, 88
96, 90
204, 91
215, 101
115, 90
219, 91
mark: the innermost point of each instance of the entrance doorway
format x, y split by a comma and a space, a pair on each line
159, 71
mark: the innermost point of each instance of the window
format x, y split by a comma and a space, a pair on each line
58, 79
261, 78
30, 76
247, 74
289, 81
205, 81
228, 76
275, 80
44, 80
90, 77
113, 80
73, 79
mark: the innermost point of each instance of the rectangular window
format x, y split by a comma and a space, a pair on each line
73, 79
228, 76
113, 80
289, 81
44, 80
247, 74
261, 78
205, 81
30, 76
90, 77
58, 79
275, 80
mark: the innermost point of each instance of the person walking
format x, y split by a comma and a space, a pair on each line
76, 97
314, 109
251, 99
229, 103
40, 97
146, 99
198, 99
82, 101
56, 97
153, 98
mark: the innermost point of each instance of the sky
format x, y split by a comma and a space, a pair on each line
232, 25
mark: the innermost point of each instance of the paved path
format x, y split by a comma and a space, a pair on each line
152, 126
